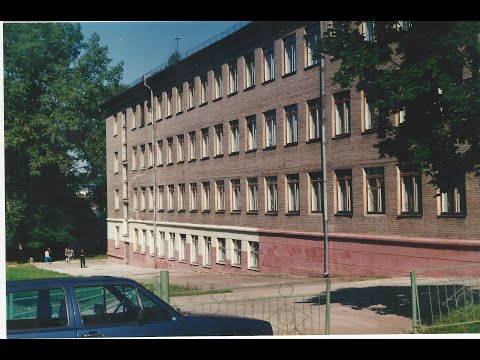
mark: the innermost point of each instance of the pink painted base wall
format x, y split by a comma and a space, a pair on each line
302, 254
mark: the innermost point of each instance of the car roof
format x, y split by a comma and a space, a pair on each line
65, 280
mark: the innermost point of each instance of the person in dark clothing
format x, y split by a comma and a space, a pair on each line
82, 258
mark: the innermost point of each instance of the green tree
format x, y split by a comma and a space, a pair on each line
430, 70
174, 58
55, 135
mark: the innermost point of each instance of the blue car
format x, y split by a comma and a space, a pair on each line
103, 306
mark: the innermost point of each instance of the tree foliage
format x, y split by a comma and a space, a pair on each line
55, 135
431, 71
174, 58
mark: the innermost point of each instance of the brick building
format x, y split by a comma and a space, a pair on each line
237, 158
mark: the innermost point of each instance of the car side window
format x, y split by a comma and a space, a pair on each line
152, 310
107, 304
36, 309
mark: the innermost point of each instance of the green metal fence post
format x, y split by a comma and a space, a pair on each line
327, 308
164, 286
413, 278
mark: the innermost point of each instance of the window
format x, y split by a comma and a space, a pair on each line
204, 88
291, 124
342, 113
251, 132
142, 157
222, 251
314, 120
124, 172
249, 71
135, 199
218, 140
142, 115
192, 146
117, 236
170, 151
403, 25
144, 241
170, 200
268, 64
234, 137
148, 114
375, 190
344, 191
191, 95
311, 38
411, 192
207, 259
272, 194
160, 198
169, 104
206, 196
183, 247
218, 84
150, 155
181, 149
194, 249
293, 193
452, 202
135, 241
367, 109
151, 246
271, 129
232, 78
237, 252
193, 197
205, 149
115, 125
124, 151
143, 198
158, 107
171, 246
36, 309
117, 199
252, 195
133, 118
315, 192
159, 152
367, 30
150, 198
115, 162
220, 195
181, 197
179, 100
124, 119
134, 158
400, 117
289, 60
163, 244
253, 258
235, 184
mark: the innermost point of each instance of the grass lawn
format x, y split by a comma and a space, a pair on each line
471, 314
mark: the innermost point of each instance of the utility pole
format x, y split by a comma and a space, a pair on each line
177, 38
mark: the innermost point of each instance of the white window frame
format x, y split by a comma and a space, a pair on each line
314, 125
192, 145
293, 193
271, 197
204, 91
207, 251
375, 190
159, 153
115, 162
236, 195
218, 139
291, 124
169, 150
161, 191
289, 54
316, 193
117, 199
237, 252
183, 247
144, 241
171, 197
251, 132
232, 78
220, 195
410, 192
206, 196
205, 149
191, 95
253, 255
268, 63
344, 191
193, 196
150, 198
234, 137
342, 113
218, 85
270, 129
194, 250
180, 148
250, 71
143, 199
179, 100
252, 195
171, 245
181, 197
221, 251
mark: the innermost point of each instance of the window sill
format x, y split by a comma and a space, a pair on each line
150, 166
150, 210
161, 210
289, 74
249, 88
207, 266
291, 144
193, 264
169, 164
375, 214
193, 211
179, 113
205, 211
171, 259
180, 162
134, 169
232, 94
271, 213
182, 261
451, 215
116, 210
236, 212
220, 212
169, 116
134, 129
217, 99
218, 156
237, 266
221, 263
313, 141
343, 214
143, 210
124, 161
170, 211
205, 158
268, 81
315, 212
250, 151
253, 269
252, 212
159, 119
203, 104
115, 135
341, 136
312, 66
192, 160
273, 147
181, 211
191, 108
234, 153
160, 165
410, 216
368, 131
292, 213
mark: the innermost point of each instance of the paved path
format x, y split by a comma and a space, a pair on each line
363, 306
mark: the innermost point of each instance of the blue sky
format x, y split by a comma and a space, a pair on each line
145, 45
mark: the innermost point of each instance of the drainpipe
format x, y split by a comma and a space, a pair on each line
154, 176
324, 164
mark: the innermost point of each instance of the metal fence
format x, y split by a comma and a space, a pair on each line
447, 302
288, 313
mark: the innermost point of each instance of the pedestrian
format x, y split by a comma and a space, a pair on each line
67, 257
47, 255
21, 257
82, 258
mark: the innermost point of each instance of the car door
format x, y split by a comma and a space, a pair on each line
39, 313
122, 310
